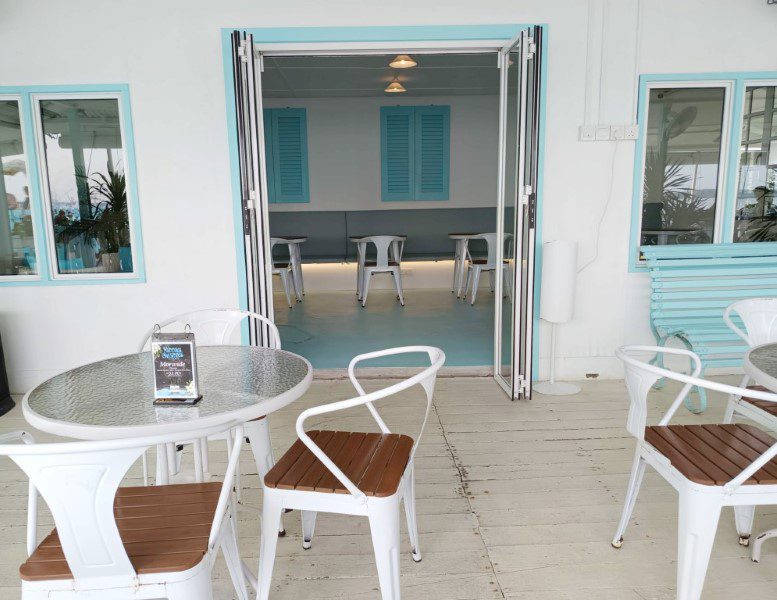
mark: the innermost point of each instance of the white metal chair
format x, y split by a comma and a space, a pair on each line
218, 327
365, 474
388, 259
710, 466
114, 543
476, 266
285, 270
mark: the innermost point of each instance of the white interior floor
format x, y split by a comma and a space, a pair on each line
515, 500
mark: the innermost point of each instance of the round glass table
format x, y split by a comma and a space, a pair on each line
761, 365
113, 398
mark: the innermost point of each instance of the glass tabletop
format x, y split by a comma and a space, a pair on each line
764, 358
244, 381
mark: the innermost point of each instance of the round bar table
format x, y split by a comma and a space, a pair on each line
113, 398
760, 364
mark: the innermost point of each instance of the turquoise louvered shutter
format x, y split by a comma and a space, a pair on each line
397, 134
432, 152
287, 157
268, 154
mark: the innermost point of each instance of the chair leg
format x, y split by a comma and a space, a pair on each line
759, 540
232, 558
635, 481
199, 475
286, 290
731, 406
698, 521
398, 285
410, 514
475, 284
258, 434
308, 527
271, 519
743, 519
491, 280
205, 457
366, 287
384, 526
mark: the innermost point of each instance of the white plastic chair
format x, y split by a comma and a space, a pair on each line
708, 465
218, 327
79, 481
476, 266
388, 259
285, 270
15, 437
366, 486
759, 316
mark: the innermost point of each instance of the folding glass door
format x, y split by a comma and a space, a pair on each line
253, 183
516, 219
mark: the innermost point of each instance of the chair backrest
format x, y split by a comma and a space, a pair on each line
759, 316
384, 246
641, 376
78, 481
216, 326
425, 378
490, 239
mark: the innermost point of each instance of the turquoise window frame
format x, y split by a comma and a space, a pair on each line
729, 166
414, 176
41, 229
413, 33
271, 156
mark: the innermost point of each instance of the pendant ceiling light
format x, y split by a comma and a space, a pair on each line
403, 61
395, 87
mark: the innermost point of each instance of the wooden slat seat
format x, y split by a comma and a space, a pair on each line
764, 405
281, 265
164, 528
714, 454
374, 462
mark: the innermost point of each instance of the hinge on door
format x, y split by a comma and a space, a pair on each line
242, 51
523, 385
531, 48
526, 195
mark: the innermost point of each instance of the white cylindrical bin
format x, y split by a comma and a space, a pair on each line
557, 301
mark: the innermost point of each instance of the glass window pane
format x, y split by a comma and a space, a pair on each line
17, 247
682, 155
755, 219
759, 99
87, 187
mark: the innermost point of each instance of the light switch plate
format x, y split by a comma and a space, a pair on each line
631, 132
587, 133
602, 132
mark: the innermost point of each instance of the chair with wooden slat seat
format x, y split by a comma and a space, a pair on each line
710, 466
759, 318
388, 259
476, 266
114, 543
285, 270
365, 474
218, 327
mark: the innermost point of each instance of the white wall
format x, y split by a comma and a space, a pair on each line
170, 54
344, 152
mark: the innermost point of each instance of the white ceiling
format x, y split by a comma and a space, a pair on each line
366, 76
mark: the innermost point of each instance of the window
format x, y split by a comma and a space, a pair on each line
85, 184
682, 163
706, 162
286, 154
68, 207
17, 242
415, 152
755, 219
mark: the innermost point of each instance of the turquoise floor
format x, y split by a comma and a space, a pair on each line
330, 328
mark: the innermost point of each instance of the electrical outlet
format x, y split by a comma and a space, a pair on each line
602, 132
617, 132
631, 132
587, 133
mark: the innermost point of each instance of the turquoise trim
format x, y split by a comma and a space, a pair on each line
499, 33
730, 166
41, 229
392, 171
413, 33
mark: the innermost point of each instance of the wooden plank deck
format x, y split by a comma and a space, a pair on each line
515, 500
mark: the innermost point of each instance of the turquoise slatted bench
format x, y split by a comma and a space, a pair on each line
691, 285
